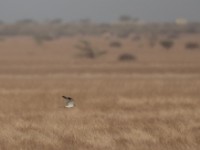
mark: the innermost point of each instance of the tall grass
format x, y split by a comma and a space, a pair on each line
112, 112
152, 103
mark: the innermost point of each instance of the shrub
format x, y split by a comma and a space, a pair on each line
192, 45
88, 51
167, 44
41, 38
116, 44
126, 57
174, 35
136, 37
123, 34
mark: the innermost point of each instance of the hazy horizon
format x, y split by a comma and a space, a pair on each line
99, 10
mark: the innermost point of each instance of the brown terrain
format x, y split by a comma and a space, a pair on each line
149, 102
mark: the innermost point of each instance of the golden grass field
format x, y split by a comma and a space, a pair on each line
150, 103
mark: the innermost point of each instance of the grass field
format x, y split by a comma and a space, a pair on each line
152, 102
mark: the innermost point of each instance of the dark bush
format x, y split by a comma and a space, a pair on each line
88, 51
173, 35
136, 38
192, 45
167, 44
116, 44
41, 38
126, 57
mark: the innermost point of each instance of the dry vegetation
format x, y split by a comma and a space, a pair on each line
151, 102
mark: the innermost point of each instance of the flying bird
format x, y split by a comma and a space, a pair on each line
69, 102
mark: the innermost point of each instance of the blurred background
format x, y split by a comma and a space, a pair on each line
132, 67
92, 29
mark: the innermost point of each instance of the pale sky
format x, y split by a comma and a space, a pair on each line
99, 10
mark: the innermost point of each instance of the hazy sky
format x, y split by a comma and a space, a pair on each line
99, 10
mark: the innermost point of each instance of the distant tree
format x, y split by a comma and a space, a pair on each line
85, 21
135, 19
126, 57
88, 51
41, 38
116, 44
192, 45
125, 18
26, 21
135, 37
56, 21
167, 44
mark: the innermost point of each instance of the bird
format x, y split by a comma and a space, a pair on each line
69, 102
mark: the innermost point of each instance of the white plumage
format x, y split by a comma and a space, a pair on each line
69, 102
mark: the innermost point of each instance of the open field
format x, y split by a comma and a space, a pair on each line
152, 102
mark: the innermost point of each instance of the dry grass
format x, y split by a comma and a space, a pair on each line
152, 103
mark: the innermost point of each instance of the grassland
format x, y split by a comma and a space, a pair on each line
149, 103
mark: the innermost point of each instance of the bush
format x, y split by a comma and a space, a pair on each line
88, 51
173, 35
167, 44
127, 57
192, 45
136, 37
116, 44
41, 38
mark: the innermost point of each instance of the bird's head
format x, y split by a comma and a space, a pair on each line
68, 98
